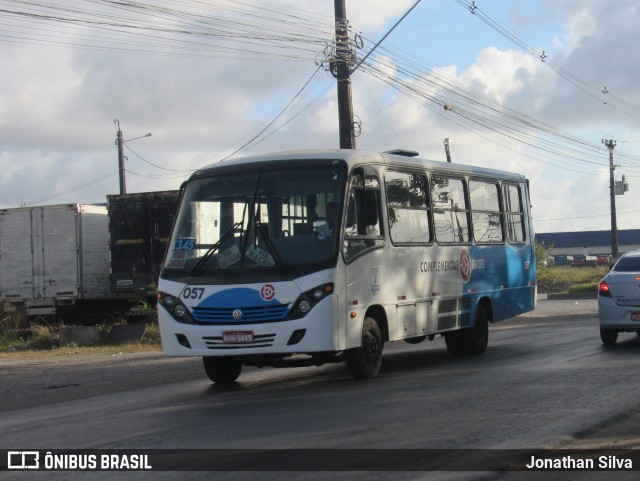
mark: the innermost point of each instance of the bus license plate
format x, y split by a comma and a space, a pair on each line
635, 316
237, 337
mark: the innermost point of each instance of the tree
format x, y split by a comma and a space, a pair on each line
543, 255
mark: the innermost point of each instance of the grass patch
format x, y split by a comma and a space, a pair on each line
14, 338
12, 329
570, 279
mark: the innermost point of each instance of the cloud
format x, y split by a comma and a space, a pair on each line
372, 14
57, 108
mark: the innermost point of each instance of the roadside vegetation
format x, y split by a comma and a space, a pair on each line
16, 335
566, 279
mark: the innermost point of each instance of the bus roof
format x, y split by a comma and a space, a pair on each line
354, 158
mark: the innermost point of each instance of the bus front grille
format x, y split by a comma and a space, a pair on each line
232, 315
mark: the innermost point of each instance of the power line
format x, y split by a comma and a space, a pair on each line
233, 29
275, 119
152, 164
598, 92
278, 121
435, 91
73, 189
221, 28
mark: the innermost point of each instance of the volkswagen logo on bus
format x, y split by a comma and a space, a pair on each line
237, 314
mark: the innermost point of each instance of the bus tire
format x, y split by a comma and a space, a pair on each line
608, 336
222, 370
470, 341
364, 362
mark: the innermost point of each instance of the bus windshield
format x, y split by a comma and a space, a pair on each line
257, 220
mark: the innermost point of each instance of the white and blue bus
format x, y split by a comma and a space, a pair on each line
307, 257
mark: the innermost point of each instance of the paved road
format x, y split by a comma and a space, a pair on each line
545, 381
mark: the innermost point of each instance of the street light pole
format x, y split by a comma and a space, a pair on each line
120, 144
611, 144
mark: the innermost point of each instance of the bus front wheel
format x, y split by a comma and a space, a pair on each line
222, 370
470, 341
364, 361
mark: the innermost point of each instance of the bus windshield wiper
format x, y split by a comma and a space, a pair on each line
197, 269
272, 249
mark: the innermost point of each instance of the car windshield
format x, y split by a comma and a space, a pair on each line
628, 264
256, 220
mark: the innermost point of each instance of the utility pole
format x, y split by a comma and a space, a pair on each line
345, 106
611, 144
120, 144
121, 158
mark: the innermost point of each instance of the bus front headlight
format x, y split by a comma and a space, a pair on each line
304, 306
309, 299
176, 308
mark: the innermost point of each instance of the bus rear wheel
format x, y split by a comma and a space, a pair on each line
222, 370
364, 362
470, 341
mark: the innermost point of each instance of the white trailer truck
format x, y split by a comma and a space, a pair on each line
54, 259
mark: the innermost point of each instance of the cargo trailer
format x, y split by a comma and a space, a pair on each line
139, 229
54, 260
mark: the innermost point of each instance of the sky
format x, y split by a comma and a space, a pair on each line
530, 86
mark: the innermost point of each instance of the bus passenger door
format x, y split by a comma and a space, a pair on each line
363, 251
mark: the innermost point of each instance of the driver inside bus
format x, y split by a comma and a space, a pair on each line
331, 216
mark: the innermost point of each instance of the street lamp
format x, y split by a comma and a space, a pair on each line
447, 149
120, 144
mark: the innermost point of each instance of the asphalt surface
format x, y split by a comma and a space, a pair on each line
54, 383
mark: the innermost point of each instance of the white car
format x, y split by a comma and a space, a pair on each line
619, 299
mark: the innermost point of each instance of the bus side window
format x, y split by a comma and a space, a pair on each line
351, 226
408, 208
485, 212
363, 214
363, 229
450, 210
371, 213
514, 212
